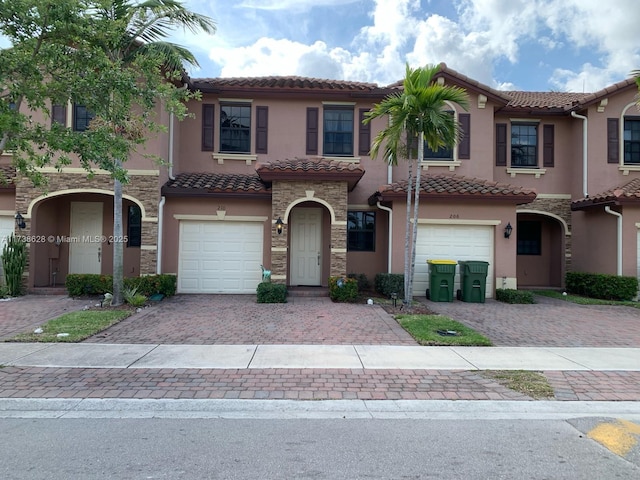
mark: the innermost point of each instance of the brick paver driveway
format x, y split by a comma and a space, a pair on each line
548, 323
23, 314
239, 319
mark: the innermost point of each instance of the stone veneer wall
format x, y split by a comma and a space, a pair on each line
334, 193
144, 188
560, 208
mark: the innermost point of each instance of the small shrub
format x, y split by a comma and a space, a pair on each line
272, 292
598, 285
343, 289
388, 283
363, 282
133, 298
509, 295
79, 284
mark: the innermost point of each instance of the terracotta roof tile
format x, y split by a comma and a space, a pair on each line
312, 169
308, 165
458, 186
545, 100
626, 193
290, 82
212, 183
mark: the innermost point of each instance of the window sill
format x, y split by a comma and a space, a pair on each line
451, 164
245, 157
526, 171
625, 169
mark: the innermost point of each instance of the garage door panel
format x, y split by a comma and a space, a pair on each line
220, 257
453, 242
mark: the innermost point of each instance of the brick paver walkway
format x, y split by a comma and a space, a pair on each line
300, 384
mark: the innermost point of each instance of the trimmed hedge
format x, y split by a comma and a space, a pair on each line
509, 295
599, 285
272, 292
388, 283
79, 284
343, 289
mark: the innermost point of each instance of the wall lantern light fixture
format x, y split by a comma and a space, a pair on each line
20, 223
279, 225
507, 230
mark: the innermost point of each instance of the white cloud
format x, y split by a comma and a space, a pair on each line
588, 43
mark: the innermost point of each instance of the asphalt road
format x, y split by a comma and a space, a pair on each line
335, 448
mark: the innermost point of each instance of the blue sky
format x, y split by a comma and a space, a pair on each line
538, 45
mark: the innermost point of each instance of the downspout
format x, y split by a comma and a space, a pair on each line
389, 235
608, 210
584, 151
163, 198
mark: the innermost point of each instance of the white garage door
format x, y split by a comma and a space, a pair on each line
219, 257
452, 242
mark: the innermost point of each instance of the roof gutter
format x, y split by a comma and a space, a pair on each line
584, 151
608, 210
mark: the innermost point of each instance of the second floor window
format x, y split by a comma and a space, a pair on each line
524, 145
81, 117
632, 140
443, 153
235, 128
338, 131
361, 231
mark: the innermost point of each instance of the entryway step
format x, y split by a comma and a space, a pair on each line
48, 290
308, 291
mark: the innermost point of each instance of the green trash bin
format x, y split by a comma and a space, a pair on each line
441, 276
473, 281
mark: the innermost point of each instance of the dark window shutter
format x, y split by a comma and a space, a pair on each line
262, 123
548, 133
364, 137
613, 145
59, 114
501, 145
208, 114
312, 131
464, 149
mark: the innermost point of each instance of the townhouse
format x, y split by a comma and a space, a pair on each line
276, 172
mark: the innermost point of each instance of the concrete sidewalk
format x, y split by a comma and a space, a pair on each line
375, 357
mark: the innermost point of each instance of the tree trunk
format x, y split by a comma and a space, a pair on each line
407, 239
118, 245
416, 213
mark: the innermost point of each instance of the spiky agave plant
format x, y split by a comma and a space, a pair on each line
14, 261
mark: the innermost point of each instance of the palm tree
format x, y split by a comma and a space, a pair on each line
145, 27
418, 111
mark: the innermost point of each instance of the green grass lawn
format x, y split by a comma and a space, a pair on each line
425, 328
533, 384
79, 325
583, 300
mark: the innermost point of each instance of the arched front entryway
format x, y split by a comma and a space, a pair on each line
72, 232
541, 247
309, 244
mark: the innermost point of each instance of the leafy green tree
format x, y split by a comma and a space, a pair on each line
113, 57
418, 111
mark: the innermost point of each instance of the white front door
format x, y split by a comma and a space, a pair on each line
306, 246
85, 245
